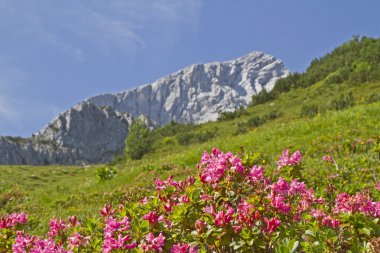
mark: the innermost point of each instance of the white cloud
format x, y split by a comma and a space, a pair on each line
108, 26
77, 30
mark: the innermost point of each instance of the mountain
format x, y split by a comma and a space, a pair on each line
94, 130
198, 93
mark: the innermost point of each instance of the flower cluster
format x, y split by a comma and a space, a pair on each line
183, 248
13, 220
359, 202
115, 236
232, 207
289, 160
152, 243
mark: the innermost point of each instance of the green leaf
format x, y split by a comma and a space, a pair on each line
294, 246
365, 231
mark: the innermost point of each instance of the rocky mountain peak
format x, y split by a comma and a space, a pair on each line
94, 130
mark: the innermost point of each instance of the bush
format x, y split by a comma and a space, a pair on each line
372, 98
361, 74
338, 76
187, 138
273, 115
139, 140
105, 173
255, 121
232, 115
309, 111
342, 102
231, 206
262, 97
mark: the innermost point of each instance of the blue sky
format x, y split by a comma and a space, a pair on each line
54, 54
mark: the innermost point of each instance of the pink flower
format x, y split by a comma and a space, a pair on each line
115, 236
205, 197
271, 224
152, 217
244, 215
152, 243
73, 221
296, 186
255, 173
213, 167
107, 211
224, 217
144, 201
328, 158
184, 199
13, 220
22, 241
317, 214
57, 226
183, 248
355, 203
280, 187
328, 221
168, 206
160, 185
190, 181
278, 202
210, 209
25, 243
286, 160
77, 240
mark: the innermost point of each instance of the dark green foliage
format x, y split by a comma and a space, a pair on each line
273, 115
309, 110
139, 140
356, 62
343, 101
255, 121
286, 84
171, 129
232, 115
361, 73
262, 97
105, 173
187, 138
372, 98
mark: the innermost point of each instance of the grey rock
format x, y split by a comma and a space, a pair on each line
83, 134
94, 130
200, 92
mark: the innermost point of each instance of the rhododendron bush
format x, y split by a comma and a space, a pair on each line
229, 207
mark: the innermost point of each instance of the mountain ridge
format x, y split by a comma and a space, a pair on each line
195, 94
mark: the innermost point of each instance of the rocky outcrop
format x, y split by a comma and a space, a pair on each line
84, 134
200, 92
94, 131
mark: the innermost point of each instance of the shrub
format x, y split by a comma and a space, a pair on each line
187, 138
255, 121
223, 116
372, 98
262, 97
230, 207
105, 173
342, 102
309, 110
138, 141
273, 115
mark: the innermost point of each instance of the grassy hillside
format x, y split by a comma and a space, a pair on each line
347, 134
338, 118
